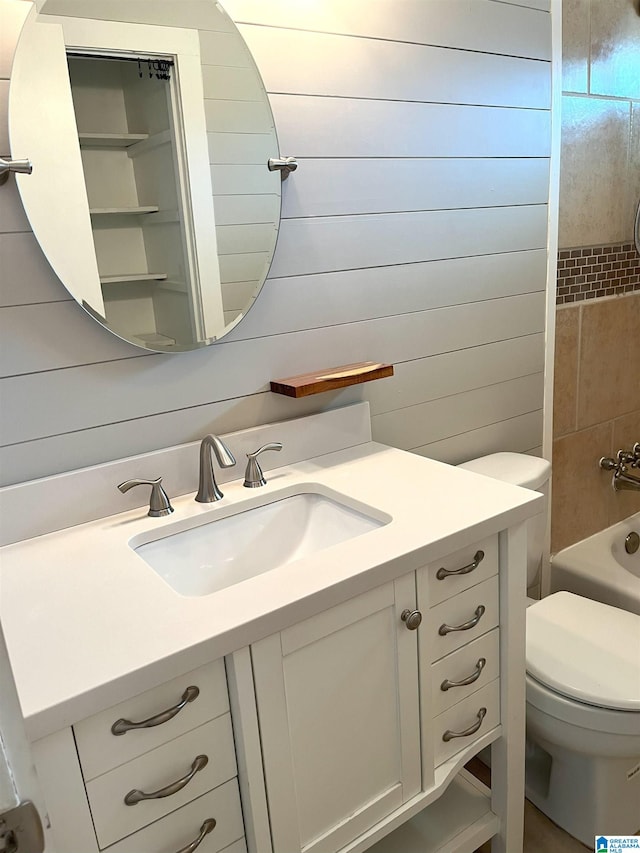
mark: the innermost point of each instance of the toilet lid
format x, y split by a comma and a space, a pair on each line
586, 650
529, 472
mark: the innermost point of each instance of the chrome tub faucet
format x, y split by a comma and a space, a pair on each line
208, 490
622, 480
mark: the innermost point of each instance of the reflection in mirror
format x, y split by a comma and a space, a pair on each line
166, 215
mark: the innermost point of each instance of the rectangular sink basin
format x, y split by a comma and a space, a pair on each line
224, 552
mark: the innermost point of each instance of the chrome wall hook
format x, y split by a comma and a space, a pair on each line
284, 165
7, 165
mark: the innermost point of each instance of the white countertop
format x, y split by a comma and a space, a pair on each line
88, 623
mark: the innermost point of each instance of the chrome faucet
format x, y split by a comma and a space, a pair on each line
208, 490
622, 480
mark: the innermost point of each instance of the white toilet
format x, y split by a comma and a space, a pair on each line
583, 691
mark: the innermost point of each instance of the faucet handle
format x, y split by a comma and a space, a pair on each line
253, 476
607, 463
159, 503
625, 457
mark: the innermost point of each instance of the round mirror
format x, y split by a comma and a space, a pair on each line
149, 130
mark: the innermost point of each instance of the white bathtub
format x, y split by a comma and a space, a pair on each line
600, 568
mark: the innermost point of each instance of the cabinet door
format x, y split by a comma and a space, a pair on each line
337, 702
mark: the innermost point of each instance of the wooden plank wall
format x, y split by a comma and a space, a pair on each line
414, 231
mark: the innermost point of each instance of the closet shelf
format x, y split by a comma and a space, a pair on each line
152, 140
133, 276
123, 211
110, 140
154, 338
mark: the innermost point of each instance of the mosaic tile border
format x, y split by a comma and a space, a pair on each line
597, 271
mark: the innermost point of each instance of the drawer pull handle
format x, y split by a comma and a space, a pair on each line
121, 727
208, 826
443, 573
135, 796
411, 618
475, 675
466, 626
449, 735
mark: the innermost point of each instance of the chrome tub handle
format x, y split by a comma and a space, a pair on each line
449, 735
208, 826
135, 796
122, 726
443, 573
475, 675
447, 629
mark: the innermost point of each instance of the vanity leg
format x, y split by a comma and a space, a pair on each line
507, 753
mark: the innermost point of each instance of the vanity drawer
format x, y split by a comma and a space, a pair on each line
466, 716
474, 563
479, 660
100, 750
472, 612
175, 831
113, 818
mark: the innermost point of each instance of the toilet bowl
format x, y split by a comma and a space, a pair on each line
583, 692
583, 715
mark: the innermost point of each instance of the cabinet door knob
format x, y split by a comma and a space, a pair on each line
208, 826
411, 618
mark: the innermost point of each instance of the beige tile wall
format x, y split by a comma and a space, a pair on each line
597, 362
596, 412
600, 161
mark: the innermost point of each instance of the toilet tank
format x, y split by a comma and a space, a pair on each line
529, 472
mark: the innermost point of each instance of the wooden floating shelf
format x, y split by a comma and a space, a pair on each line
124, 277
122, 211
110, 140
330, 380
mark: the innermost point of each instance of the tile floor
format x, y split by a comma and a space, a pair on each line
543, 836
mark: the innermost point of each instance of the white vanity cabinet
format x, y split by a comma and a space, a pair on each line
345, 731
340, 732
340, 694
157, 772
338, 707
365, 711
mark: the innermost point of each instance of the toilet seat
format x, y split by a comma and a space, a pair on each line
586, 651
578, 716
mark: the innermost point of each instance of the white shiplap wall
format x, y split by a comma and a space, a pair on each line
414, 231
